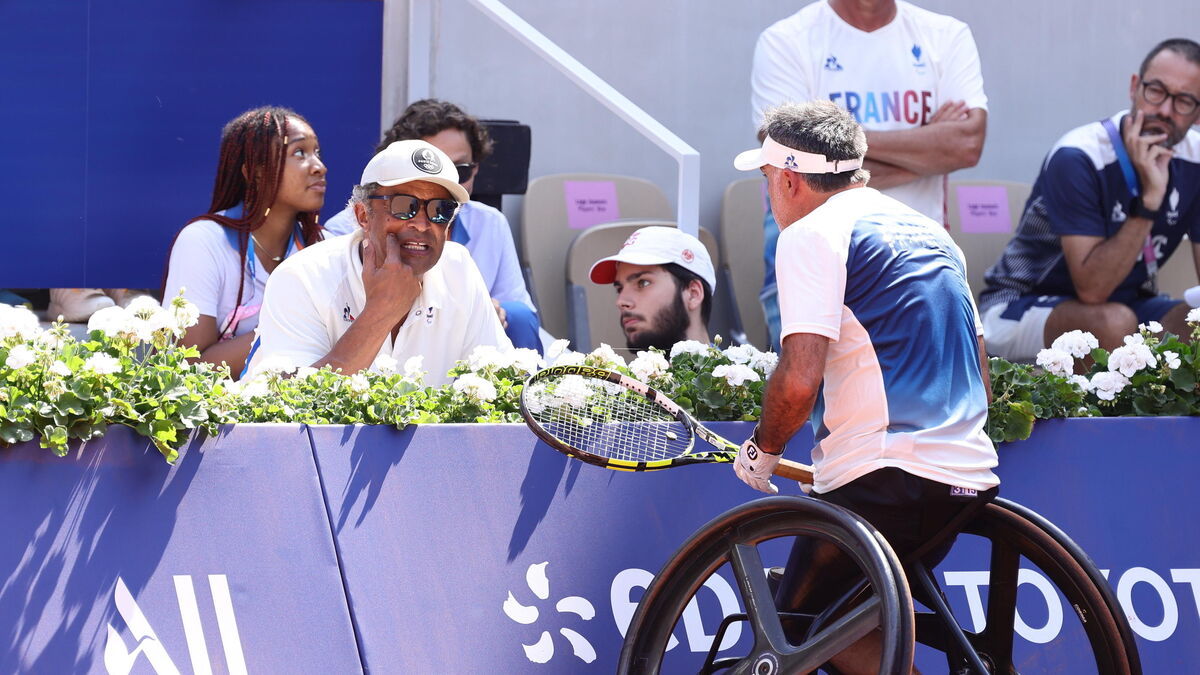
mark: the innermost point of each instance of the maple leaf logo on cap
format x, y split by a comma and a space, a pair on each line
632, 238
688, 256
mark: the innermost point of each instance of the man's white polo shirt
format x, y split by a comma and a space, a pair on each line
312, 298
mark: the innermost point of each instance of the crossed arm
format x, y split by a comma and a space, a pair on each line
953, 139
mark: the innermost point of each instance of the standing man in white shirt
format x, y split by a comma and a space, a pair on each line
909, 76
394, 287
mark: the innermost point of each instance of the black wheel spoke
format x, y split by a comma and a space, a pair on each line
830, 641
1002, 604
756, 593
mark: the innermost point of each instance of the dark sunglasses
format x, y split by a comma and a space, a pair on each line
465, 171
405, 207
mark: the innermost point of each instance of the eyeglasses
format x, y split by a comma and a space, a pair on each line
465, 171
1155, 93
405, 207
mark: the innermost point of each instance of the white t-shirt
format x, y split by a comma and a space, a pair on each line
892, 78
491, 246
314, 296
205, 264
902, 386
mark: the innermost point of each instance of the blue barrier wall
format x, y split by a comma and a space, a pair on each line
474, 548
113, 114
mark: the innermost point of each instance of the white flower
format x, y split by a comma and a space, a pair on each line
414, 368
1081, 382
164, 321
688, 347
59, 368
1056, 361
186, 313
102, 364
736, 374
765, 363
475, 387
306, 372
256, 387
1108, 385
1172, 359
743, 354
143, 307
648, 365
1193, 315
1153, 327
18, 322
1077, 343
1135, 339
557, 348
605, 357
110, 321
569, 358
573, 391
19, 357
51, 340
526, 360
358, 383
385, 363
487, 356
1131, 358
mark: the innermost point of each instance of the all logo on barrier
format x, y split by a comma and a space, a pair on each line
120, 658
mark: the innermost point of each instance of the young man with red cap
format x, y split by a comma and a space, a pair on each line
664, 280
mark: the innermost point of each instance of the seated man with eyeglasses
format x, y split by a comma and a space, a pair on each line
1111, 204
481, 228
394, 287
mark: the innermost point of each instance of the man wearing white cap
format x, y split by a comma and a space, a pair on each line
395, 287
881, 347
664, 281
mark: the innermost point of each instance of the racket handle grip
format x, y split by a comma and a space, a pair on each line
794, 471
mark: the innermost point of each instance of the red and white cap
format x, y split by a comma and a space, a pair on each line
658, 246
779, 155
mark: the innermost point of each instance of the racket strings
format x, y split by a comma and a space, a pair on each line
607, 420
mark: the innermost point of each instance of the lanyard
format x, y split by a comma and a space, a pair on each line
1131, 182
252, 261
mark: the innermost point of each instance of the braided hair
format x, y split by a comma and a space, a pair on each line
250, 171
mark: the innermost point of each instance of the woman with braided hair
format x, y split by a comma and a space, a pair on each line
269, 191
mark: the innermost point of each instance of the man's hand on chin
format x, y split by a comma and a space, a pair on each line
391, 285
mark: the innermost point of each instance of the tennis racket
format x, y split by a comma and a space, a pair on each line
614, 421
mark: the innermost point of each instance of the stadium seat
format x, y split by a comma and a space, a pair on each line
978, 223
548, 227
592, 309
742, 266
1179, 272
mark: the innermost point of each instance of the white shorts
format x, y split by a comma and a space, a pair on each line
1018, 339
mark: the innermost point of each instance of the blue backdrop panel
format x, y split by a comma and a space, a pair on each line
436, 526
1124, 490
114, 142
43, 133
114, 561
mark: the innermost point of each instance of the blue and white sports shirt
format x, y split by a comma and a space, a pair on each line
902, 386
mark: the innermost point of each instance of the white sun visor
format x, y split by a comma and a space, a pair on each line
777, 154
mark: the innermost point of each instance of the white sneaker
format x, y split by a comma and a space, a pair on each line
76, 305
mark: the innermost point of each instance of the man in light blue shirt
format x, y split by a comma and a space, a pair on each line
482, 229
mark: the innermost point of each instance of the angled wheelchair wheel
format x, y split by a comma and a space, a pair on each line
733, 539
1019, 540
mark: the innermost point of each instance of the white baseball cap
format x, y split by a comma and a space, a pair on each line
779, 155
658, 246
414, 160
